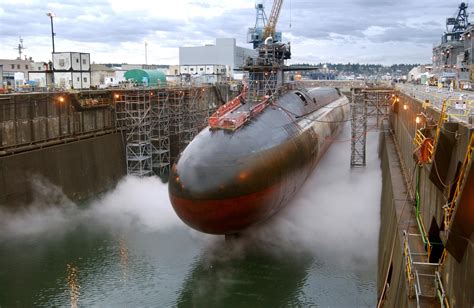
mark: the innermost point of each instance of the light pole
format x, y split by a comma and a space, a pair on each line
51, 16
146, 52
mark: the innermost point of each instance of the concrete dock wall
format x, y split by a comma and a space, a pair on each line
81, 169
391, 272
437, 181
38, 117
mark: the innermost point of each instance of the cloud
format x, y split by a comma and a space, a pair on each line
167, 25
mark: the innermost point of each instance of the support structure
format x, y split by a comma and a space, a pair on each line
189, 115
359, 128
367, 104
160, 134
378, 102
176, 101
133, 112
158, 123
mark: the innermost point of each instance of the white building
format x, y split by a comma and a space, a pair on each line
72, 70
224, 52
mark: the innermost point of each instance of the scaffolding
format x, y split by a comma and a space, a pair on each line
366, 104
160, 134
190, 105
265, 74
378, 102
157, 124
358, 128
133, 116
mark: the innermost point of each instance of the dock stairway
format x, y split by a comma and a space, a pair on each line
421, 275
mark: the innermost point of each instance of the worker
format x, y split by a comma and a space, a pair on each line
440, 86
451, 86
427, 86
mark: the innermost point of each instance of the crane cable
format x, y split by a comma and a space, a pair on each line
289, 113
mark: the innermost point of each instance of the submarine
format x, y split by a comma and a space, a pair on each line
258, 149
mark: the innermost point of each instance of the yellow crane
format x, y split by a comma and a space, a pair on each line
273, 20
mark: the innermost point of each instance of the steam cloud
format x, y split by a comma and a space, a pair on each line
335, 215
134, 203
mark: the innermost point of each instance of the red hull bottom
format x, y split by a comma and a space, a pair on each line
227, 216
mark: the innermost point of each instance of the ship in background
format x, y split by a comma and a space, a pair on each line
259, 148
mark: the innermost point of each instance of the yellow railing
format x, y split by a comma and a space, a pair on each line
443, 258
419, 138
409, 268
448, 210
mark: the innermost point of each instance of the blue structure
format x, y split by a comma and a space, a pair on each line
255, 34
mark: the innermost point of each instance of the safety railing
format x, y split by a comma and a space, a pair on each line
226, 117
420, 275
408, 266
440, 292
424, 236
419, 138
424, 147
220, 113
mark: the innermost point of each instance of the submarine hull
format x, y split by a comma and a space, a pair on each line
226, 181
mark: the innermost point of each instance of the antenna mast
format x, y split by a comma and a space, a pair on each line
20, 48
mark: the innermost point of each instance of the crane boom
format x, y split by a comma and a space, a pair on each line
272, 21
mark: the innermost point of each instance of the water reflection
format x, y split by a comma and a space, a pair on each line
73, 284
243, 273
123, 252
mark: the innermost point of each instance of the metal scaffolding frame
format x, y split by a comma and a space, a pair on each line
189, 112
378, 102
265, 73
262, 83
358, 128
133, 112
160, 134
158, 124
366, 104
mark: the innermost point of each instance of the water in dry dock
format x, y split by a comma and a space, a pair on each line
129, 249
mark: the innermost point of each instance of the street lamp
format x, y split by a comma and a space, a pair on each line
51, 16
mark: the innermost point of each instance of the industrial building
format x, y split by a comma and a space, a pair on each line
20, 67
224, 52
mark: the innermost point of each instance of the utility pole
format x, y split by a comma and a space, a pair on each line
146, 53
51, 16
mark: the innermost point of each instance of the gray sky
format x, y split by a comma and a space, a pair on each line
365, 31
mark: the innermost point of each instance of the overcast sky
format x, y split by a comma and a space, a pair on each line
365, 31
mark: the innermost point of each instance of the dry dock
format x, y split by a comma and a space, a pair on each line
426, 253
